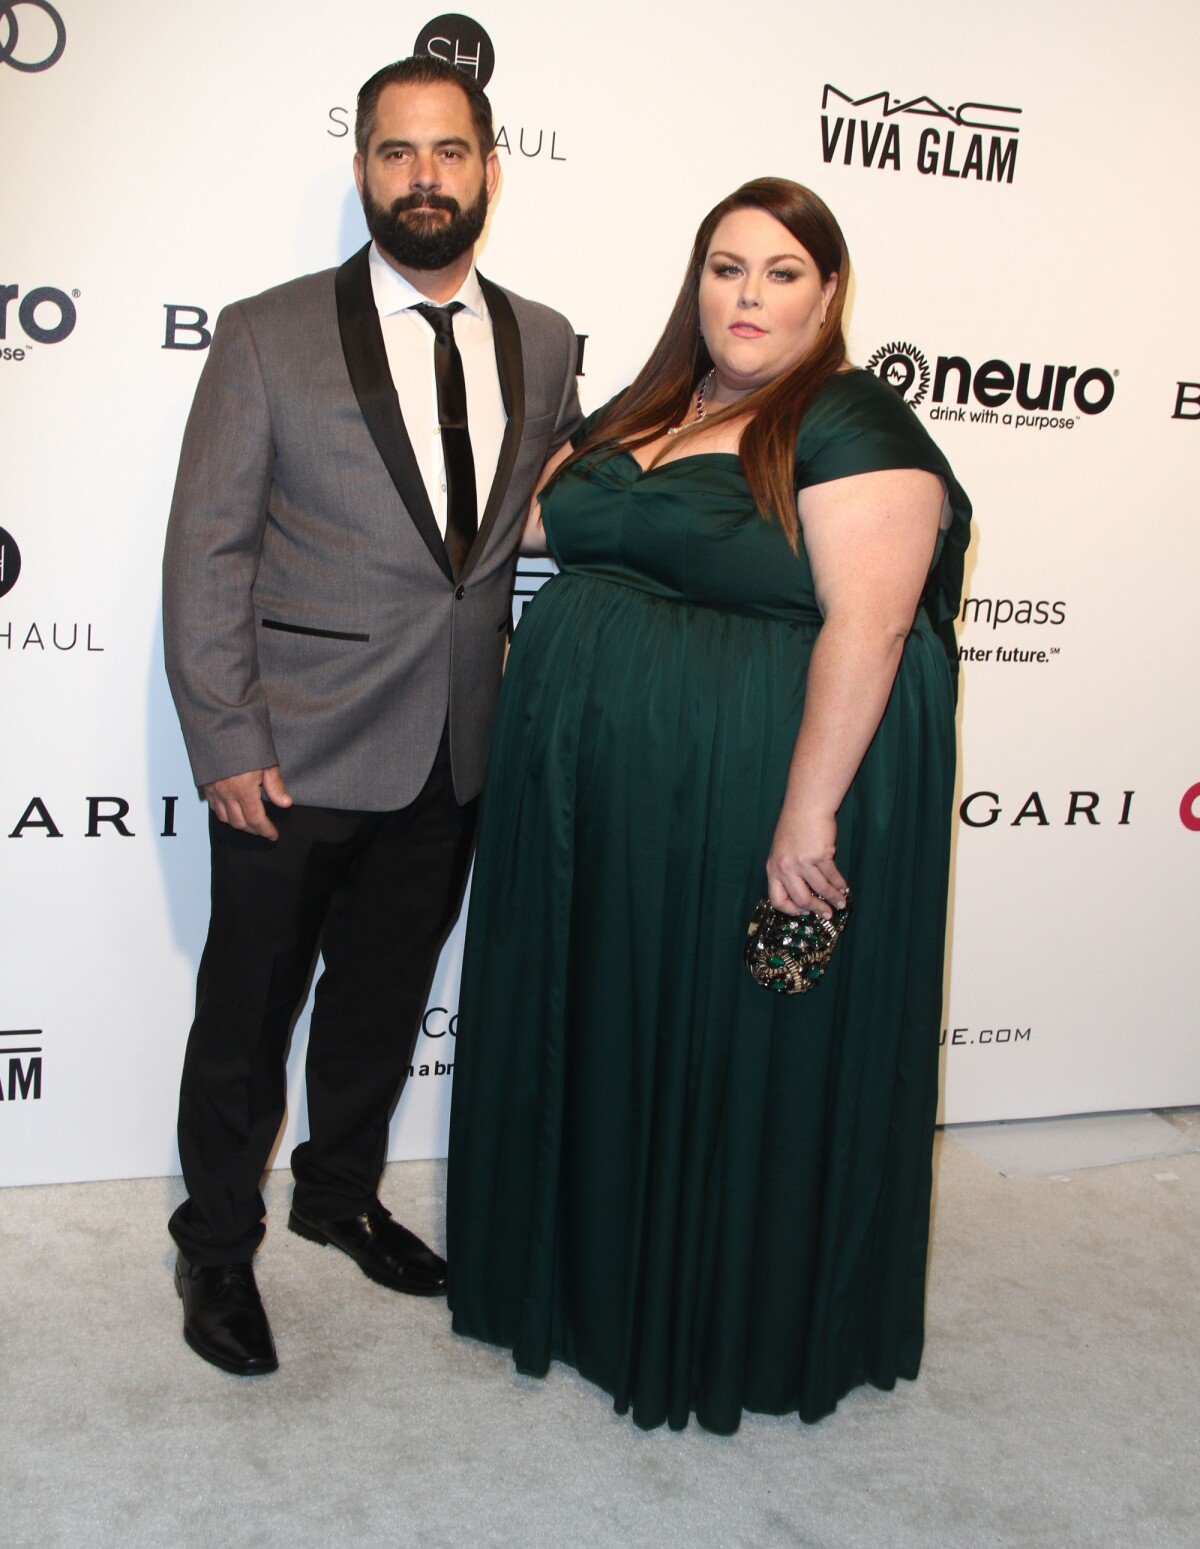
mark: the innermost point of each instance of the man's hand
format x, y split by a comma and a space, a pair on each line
238, 800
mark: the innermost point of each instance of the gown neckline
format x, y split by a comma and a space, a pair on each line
688, 457
691, 457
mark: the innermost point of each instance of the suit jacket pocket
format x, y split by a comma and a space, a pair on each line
308, 629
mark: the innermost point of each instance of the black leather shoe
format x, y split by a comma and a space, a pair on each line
223, 1317
384, 1250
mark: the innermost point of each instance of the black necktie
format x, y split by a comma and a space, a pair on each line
462, 519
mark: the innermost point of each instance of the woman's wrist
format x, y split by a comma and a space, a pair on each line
807, 808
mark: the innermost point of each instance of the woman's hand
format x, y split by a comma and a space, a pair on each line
800, 866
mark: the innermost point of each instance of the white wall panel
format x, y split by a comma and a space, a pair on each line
186, 156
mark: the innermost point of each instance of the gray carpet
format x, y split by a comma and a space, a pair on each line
1059, 1403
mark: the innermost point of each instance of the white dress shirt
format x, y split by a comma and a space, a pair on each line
409, 341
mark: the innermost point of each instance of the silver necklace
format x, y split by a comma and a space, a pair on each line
673, 430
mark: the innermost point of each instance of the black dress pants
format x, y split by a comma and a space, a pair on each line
377, 893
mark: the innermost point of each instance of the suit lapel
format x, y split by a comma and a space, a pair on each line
371, 379
510, 367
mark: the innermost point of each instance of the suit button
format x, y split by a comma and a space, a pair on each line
460, 592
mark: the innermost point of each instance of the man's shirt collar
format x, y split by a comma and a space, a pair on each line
393, 293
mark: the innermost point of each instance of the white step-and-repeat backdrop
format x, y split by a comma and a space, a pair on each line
1018, 186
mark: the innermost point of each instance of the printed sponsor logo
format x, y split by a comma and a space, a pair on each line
46, 636
438, 1022
1069, 809
39, 636
1189, 808
1187, 401
459, 41
984, 1037
187, 328
976, 141
21, 1065
532, 575
34, 39
43, 315
985, 615
1020, 397
519, 140
462, 42
10, 562
904, 368
95, 817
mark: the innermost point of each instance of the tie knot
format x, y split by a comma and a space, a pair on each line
440, 319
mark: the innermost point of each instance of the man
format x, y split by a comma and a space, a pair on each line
356, 468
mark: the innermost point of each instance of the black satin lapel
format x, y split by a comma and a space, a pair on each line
371, 379
510, 366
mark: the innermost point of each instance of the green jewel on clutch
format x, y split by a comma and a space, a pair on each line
789, 953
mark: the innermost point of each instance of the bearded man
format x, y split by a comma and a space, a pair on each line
354, 477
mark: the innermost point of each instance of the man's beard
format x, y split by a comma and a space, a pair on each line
425, 242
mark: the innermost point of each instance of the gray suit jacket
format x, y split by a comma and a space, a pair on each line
310, 615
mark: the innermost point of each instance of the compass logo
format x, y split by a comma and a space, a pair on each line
903, 367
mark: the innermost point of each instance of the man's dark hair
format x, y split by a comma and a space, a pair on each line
422, 70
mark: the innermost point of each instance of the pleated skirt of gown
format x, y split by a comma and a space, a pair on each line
703, 1196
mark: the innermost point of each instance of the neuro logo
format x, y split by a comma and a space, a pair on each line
996, 392
56, 321
40, 48
10, 562
459, 41
903, 367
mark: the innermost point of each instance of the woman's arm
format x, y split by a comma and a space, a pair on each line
533, 536
870, 540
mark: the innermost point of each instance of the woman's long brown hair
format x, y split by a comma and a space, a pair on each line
661, 394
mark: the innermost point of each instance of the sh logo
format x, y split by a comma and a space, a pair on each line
458, 41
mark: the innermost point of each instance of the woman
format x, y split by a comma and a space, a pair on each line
704, 1196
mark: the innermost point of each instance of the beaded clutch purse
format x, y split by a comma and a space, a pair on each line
789, 953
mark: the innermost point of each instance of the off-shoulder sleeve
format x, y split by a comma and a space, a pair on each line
858, 424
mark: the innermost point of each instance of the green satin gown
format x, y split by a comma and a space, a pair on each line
704, 1196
